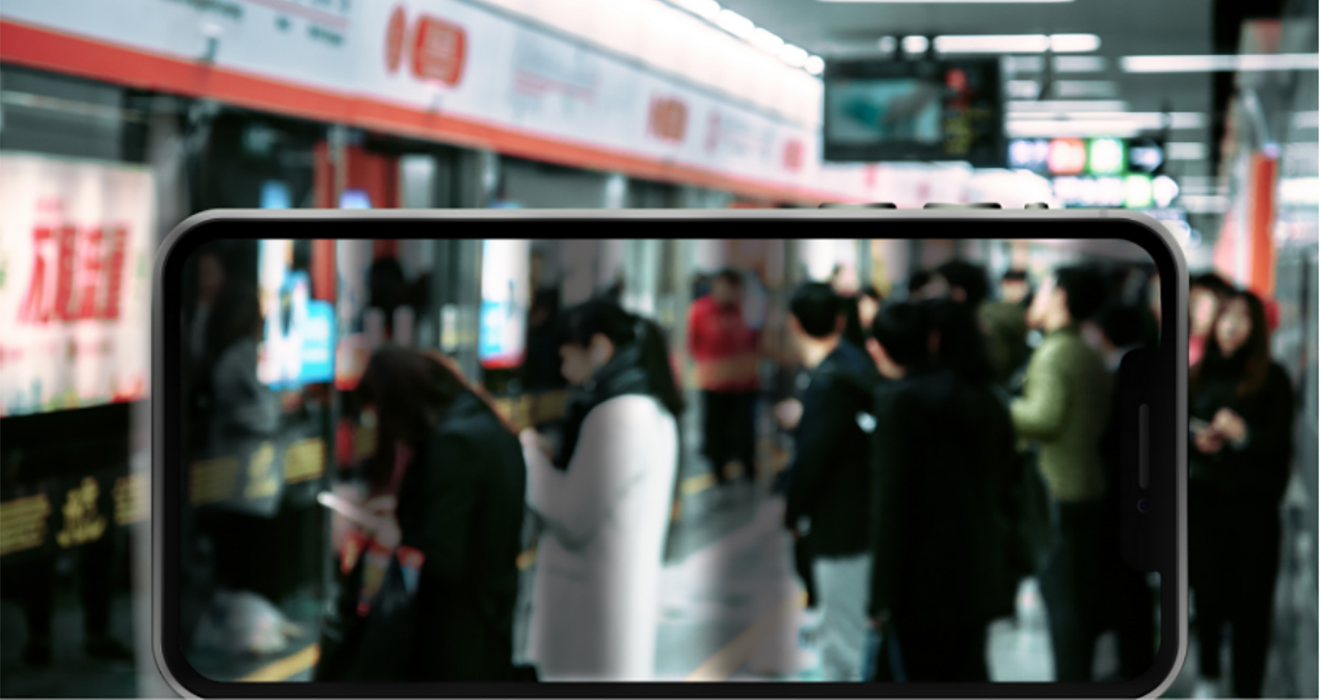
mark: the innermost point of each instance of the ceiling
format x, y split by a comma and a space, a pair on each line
1125, 27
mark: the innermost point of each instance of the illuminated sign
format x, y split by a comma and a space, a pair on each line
354, 199
75, 241
669, 119
1132, 192
1105, 157
1067, 156
23, 523
439, 50
1139, 194
1029, 154
275, 195
1164, 190
505, 295
1146, 158
298, 339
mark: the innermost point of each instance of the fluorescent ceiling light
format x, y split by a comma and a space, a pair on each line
887, 44
766, 41
815, 65
1017, 43
1213, 64
1023, 89
1299, 190
1080, 64
1085, 88
1205, 204
1185, 150
1142, 120
915, 44
990, 43
1052, 107
1024, 64
1306, 120
708, 9
1074, 43
794, 56
1048, 128
735, 24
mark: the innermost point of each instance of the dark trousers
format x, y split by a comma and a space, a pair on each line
1131, 606
802, 564
933, 652
1071, 582
729, 431
95, 566
1234, 560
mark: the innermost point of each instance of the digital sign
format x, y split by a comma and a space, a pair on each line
505, 296
891, 110
298, 332
1073, 156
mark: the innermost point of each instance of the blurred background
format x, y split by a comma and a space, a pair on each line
119, 120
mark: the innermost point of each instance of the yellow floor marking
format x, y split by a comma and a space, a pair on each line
734, 654
696, 484
285, 668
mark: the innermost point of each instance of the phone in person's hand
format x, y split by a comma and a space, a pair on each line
943, 507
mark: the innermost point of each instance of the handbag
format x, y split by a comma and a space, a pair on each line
370, 634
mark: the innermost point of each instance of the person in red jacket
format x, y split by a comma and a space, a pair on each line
724, 349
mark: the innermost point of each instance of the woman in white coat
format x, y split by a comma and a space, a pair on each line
604, 501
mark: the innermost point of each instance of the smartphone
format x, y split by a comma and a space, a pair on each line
1004, 544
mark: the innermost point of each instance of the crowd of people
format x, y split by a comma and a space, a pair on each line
946, 445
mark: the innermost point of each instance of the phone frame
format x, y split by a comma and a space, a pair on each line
985, 224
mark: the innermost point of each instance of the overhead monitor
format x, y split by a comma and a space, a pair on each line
915, 110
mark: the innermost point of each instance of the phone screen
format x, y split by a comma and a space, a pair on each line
888, 460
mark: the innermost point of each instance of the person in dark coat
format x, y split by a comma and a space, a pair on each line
944, 471
829, 476
1241, 419
1131, 601
460, 502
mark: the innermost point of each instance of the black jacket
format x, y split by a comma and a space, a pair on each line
945, 470
1258, 472
461, 504
830, 475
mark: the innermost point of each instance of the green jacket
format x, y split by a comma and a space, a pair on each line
1006, 333
1064, 408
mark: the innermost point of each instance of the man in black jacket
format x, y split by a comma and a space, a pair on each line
942, 507
828, 483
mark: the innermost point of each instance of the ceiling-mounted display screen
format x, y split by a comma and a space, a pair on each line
915, 110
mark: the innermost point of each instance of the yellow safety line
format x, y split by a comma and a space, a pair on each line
696, 484
734, 654
285, 668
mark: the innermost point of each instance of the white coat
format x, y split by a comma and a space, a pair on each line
595, 600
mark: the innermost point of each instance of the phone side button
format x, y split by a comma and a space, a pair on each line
978, 205
1143, 446
1037, 205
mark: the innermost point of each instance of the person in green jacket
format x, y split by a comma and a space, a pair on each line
1064, 409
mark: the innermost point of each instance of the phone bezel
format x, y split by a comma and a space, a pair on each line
1133, 227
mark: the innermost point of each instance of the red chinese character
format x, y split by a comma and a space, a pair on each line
114, 273
67, 241
89, 274
35, 308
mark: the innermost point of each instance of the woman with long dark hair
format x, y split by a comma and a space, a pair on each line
1241, 420
604, 499
448, 476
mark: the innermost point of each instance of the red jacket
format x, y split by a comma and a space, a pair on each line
723, 347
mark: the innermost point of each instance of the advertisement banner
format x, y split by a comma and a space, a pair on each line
411, 67
298, 336
75, 260
505, 295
